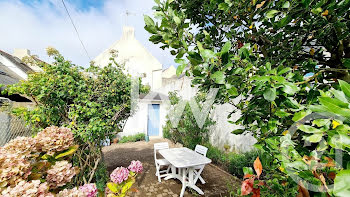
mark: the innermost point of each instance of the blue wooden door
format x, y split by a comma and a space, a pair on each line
153, 120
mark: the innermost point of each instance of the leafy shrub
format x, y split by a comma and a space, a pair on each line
215, 154
232, 162
94, 102
187, 132
133, 138
236, 162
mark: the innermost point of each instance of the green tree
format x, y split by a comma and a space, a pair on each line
187, 132
263, 52
94, 102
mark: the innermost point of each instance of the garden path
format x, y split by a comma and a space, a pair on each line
147, 184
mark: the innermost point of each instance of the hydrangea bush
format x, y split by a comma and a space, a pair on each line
33, 166
28, 189
54, 139
41, 166
122, 179
60, 174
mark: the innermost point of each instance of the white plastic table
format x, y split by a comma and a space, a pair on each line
185, 160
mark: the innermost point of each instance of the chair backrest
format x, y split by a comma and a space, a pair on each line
159, 146
201, 150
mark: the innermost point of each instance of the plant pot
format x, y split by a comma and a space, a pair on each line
147, 138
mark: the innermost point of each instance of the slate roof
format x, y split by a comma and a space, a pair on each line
17, 62
155, 96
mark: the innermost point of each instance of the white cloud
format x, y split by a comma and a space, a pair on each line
45, 23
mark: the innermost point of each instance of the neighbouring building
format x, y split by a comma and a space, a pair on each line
13, 70
153, 108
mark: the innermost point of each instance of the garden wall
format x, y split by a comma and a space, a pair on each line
221, 132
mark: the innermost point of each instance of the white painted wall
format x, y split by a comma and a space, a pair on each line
4, 61
138, 61
220, 133
139, 121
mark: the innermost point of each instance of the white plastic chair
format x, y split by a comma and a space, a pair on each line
161, 162
202, 150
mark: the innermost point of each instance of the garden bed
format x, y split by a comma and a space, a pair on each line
147, 185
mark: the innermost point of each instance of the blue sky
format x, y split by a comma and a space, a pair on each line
80, 4
37, 24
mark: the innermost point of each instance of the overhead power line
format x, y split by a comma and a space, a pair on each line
76, 30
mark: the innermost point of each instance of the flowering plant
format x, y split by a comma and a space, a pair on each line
74, 192
122, 179
28, 189
90, 190
136, 166
54, 139
87, 190
60, 174
43, 157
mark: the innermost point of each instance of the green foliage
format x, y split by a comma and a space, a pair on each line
187, 132
274, 44
233, 162
101, 176
133, 138
94, 102
237, 161
215, 154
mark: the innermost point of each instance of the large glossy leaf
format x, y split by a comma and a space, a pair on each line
270, 94
207, 54
339, 95
289, 88
286, 5
71, 150
345, 87
177, 20
271, 13
233, 91
238, 131
309, 129
315, 138
248, 170
148, 20
321, 122
113, 187
180, 69
218, 77
300, 115
247, 187
127, 185
226, 48
335, 105
342, 184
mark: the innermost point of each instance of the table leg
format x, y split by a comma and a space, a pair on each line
183, 171
191, 181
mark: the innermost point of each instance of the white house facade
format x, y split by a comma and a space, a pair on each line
150, 116
153, 108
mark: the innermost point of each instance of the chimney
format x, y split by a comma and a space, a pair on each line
20, 53
128, 32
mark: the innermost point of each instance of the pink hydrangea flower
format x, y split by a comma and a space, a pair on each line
135, 166
119, 175
89, 190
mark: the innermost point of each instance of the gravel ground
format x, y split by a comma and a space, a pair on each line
147, 184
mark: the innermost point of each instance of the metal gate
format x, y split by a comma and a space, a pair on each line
10, 126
